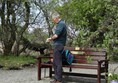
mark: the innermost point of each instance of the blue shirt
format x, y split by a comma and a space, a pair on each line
61, 31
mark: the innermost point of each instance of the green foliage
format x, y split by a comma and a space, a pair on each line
113, 75
96, 21
89, 59
37, 35
15, 61
80, 12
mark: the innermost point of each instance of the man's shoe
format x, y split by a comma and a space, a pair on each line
54, 81
58, 82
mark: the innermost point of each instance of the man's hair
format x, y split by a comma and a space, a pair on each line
55, 15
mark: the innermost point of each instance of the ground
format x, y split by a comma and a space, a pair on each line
29, 75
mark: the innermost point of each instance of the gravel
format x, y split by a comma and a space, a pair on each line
29, 75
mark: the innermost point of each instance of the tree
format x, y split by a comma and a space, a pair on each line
16, 18
9, 26
95, 20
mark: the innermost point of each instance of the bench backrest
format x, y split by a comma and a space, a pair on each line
87, 55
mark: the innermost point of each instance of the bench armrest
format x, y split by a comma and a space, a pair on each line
103, 63
43, 57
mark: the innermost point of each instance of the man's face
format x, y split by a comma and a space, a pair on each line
54, 20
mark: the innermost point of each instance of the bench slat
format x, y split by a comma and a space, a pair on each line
93, 57
73, 66
88, 53
80, 61
85, 49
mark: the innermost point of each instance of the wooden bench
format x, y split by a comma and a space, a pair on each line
84, 58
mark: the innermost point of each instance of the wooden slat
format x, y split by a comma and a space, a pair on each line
78, 52
85, 49
89, 53
96, 53
43, 65
85, 66
81, 74
80, 61
85, 57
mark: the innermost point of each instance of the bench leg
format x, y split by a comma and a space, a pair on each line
39, 71
106, 72
99, 74
50, 72
98, 78
106, 76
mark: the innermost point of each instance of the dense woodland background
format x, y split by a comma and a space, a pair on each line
25, 24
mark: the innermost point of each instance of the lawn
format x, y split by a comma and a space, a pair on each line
16, 62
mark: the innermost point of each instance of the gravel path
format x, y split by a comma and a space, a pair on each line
29, 75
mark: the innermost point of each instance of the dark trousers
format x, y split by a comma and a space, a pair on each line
57, 61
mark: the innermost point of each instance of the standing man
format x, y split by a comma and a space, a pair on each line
59, 39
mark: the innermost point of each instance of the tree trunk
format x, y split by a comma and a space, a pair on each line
16, 50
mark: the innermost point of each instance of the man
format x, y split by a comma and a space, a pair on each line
59, 39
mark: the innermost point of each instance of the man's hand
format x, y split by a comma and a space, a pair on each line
48, 39
52, 38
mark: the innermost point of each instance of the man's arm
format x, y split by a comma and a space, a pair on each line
52, 38
58, 31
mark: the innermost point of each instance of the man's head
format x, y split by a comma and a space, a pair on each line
55, 17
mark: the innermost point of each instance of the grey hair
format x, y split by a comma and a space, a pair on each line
55, 15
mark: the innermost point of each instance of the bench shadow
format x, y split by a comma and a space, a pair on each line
75, 79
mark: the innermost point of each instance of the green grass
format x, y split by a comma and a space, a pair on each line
15, 61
